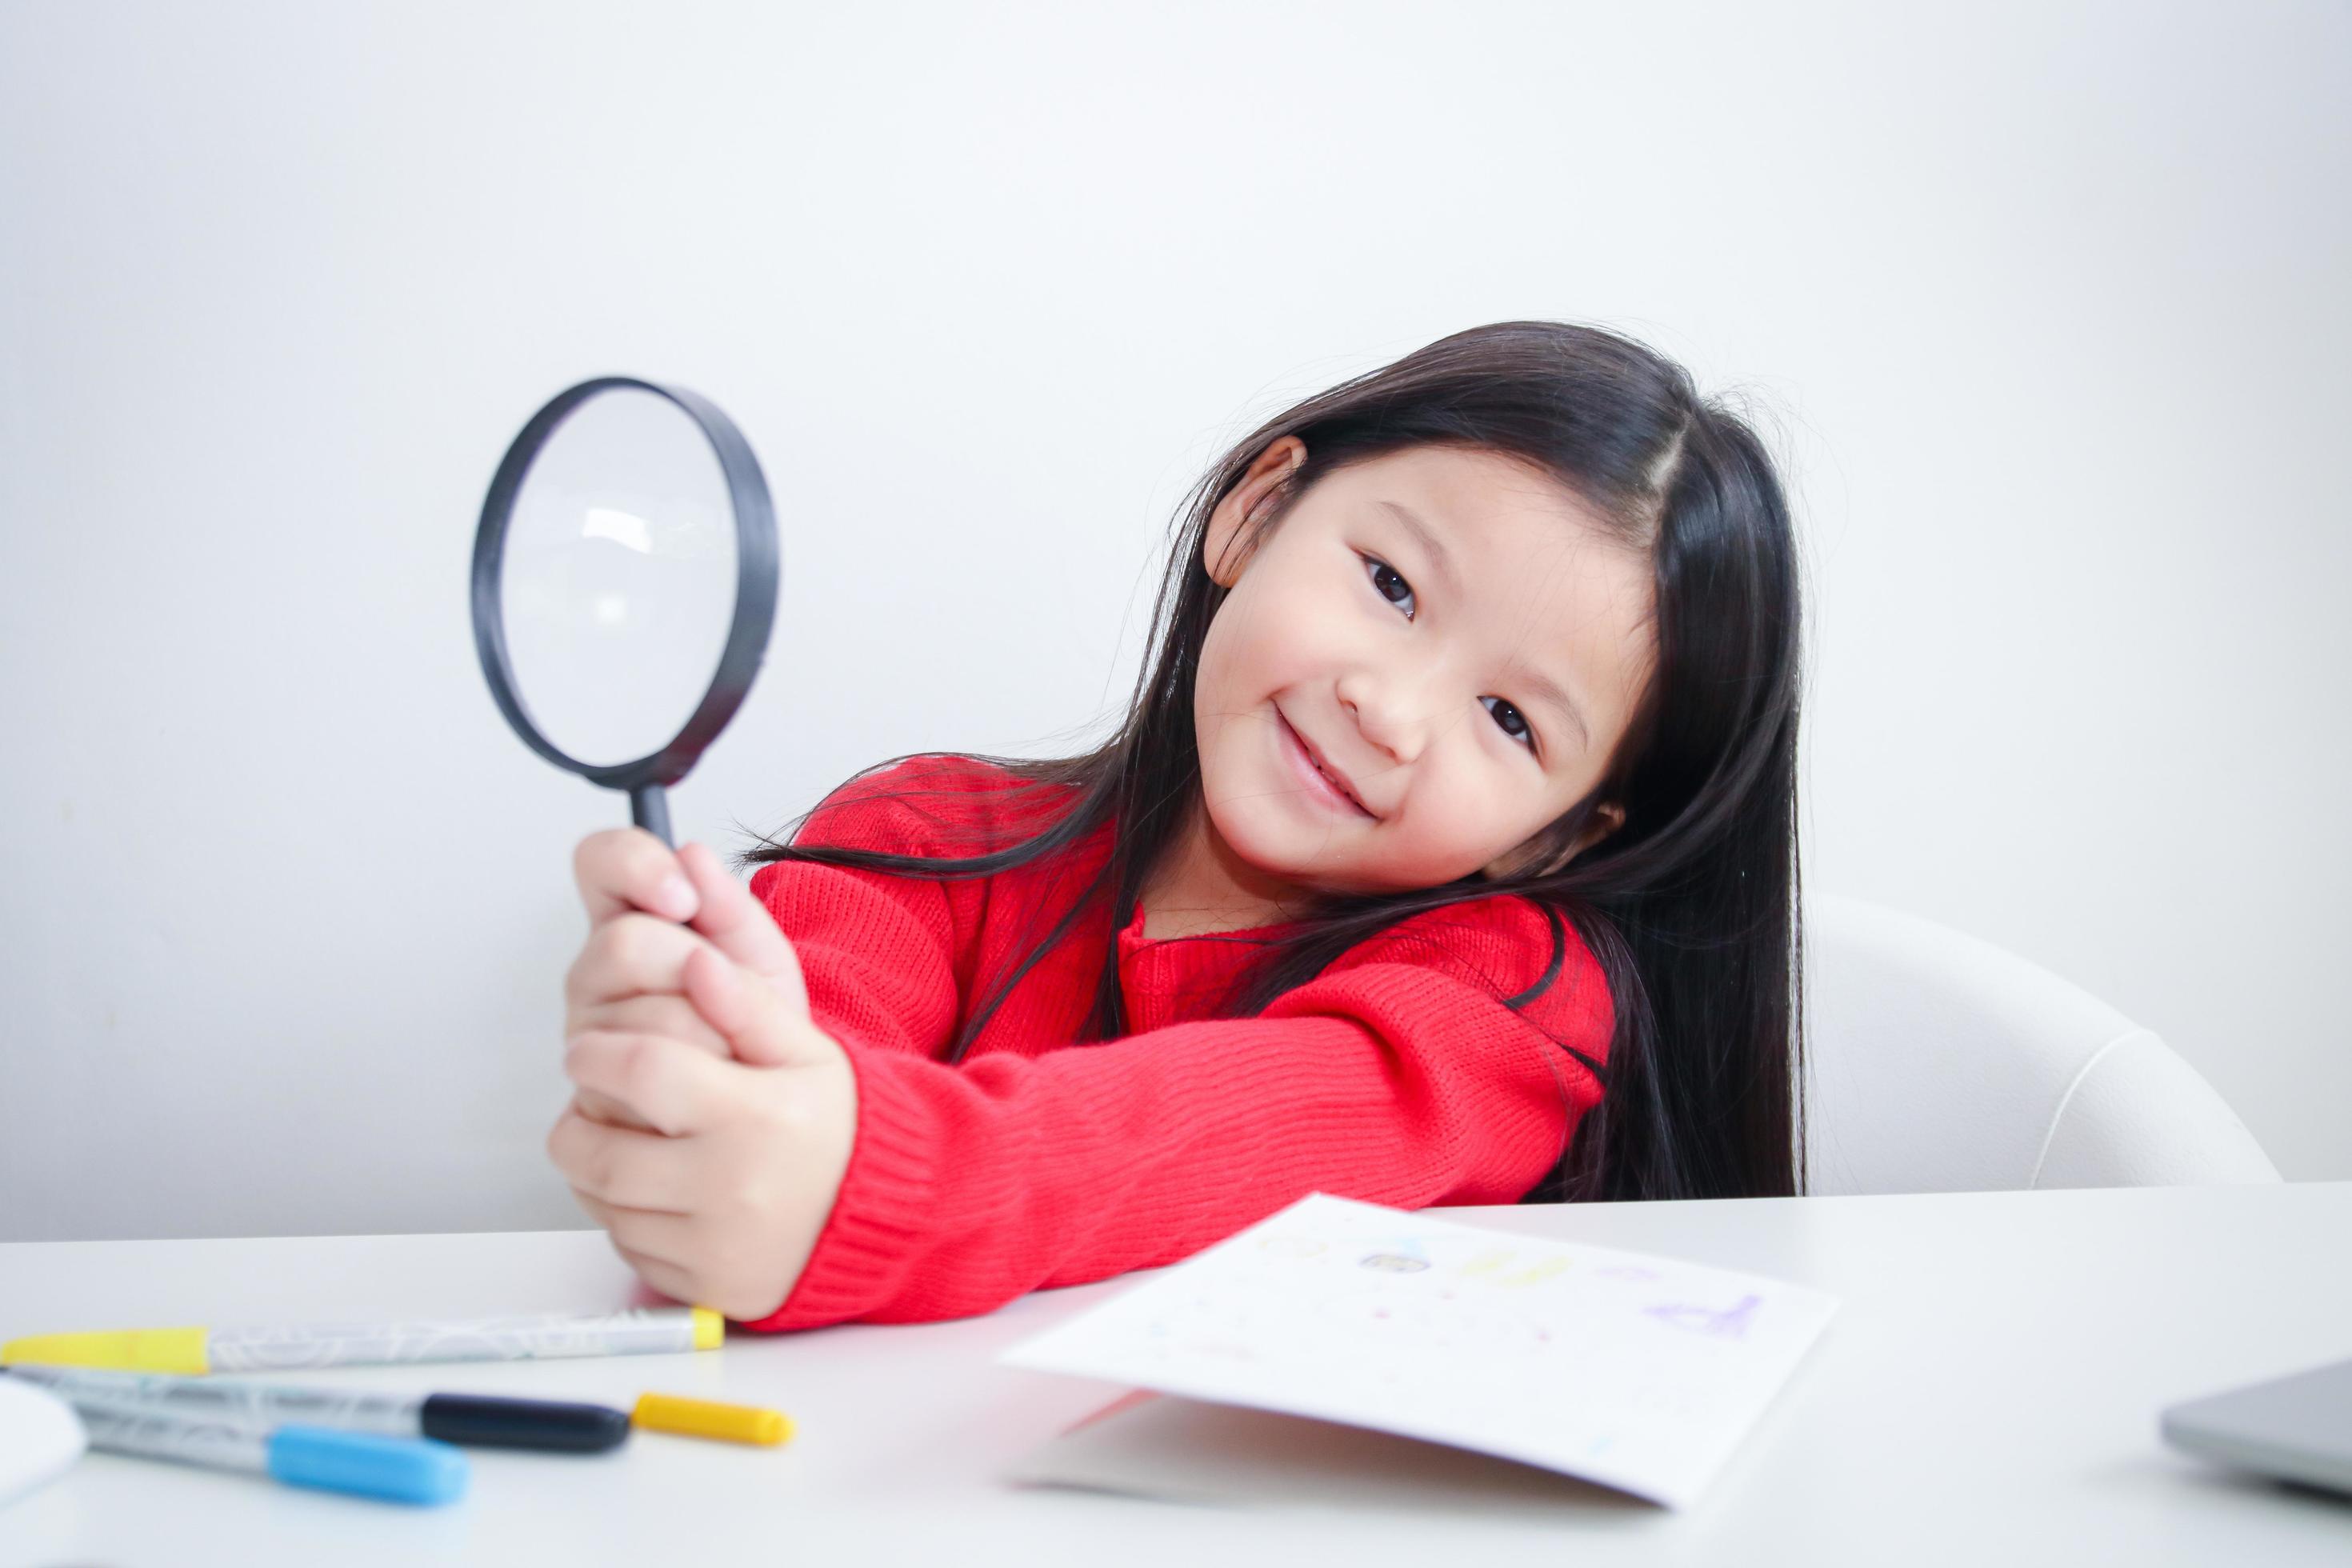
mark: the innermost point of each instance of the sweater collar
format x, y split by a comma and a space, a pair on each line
1132, 940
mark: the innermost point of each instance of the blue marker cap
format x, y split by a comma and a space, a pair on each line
403, 1469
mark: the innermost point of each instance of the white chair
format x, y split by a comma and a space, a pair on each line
1942, 1063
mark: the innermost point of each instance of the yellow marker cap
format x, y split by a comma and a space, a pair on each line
710, 1328
185, 1351
710, 1418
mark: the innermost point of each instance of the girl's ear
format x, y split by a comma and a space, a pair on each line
1224, 551
1531, 856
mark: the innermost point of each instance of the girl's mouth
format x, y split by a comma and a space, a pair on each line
1320, 784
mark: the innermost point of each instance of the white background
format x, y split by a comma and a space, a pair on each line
2044, 306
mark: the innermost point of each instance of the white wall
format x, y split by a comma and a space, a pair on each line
2045, 306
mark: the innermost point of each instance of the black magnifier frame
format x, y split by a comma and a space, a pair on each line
757, 577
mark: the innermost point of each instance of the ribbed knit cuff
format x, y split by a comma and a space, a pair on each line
877, 1232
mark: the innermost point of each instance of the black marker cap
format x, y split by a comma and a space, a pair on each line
480, 1421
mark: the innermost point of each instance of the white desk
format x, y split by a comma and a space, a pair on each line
1988, 1393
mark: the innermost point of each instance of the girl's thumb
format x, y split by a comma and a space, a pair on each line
736, 925
762, 1026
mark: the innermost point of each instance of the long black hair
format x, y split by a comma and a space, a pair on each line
1690, 905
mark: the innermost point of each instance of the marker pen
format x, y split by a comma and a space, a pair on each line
711, 1418
474, 1420
642, 1331
398, 1470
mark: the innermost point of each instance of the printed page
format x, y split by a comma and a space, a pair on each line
1635, 1371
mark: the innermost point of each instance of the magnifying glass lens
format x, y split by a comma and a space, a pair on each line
618, 581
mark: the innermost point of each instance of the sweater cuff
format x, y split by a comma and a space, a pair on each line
873, 1238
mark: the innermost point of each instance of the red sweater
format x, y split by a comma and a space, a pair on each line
1396, 1075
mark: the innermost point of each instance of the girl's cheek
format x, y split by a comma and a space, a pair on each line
1447, 801
1311, 630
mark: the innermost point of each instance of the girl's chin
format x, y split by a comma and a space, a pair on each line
1272, 843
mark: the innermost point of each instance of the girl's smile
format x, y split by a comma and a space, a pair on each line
1441, 632
1329, 788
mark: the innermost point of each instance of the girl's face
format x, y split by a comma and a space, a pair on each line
1450, 634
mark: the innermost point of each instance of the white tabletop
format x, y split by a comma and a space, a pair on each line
1988, 1392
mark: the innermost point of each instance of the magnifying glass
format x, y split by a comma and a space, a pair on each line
625, 575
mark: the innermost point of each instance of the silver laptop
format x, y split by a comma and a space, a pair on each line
2297, 1428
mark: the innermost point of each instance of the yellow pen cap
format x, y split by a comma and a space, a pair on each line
710, 1418
710, 1328
183, 1351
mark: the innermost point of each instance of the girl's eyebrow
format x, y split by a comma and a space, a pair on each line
1542, 685
1549, 689
1431, 545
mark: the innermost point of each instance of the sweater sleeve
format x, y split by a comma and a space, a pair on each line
877, 952
1399, 1076
885, 956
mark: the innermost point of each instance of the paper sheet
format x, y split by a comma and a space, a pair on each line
1173, 1449
1636, 1371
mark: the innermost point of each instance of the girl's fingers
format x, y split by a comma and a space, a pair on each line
597, 1209
762, 1026
646, 1248
605, 1109
650, 1244
664, 1277
653, 1236
625, 868
674, 1088
671, 1016
740, 926
628, 955
621, 1166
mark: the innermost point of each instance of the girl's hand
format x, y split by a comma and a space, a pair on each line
721, 1198
629, 879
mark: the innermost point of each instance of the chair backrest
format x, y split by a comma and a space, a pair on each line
1942, 1063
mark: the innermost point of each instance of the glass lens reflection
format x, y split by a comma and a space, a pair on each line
617, 585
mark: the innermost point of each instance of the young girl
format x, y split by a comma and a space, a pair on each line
1446, 855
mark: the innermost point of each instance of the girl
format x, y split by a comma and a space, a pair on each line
1447, 855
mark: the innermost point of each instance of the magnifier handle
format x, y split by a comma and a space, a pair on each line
649, 809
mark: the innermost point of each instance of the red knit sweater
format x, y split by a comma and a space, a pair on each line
1397, 1076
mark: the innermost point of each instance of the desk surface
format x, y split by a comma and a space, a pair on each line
1987, 1391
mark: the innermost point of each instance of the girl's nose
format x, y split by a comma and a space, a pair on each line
1389, 712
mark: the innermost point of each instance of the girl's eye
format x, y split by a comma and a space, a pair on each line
1524, 733
1381, 569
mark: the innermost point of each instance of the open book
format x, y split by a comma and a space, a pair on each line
1637, 1372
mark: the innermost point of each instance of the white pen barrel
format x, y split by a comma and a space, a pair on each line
639, 1330
261, 1405
221, 1444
